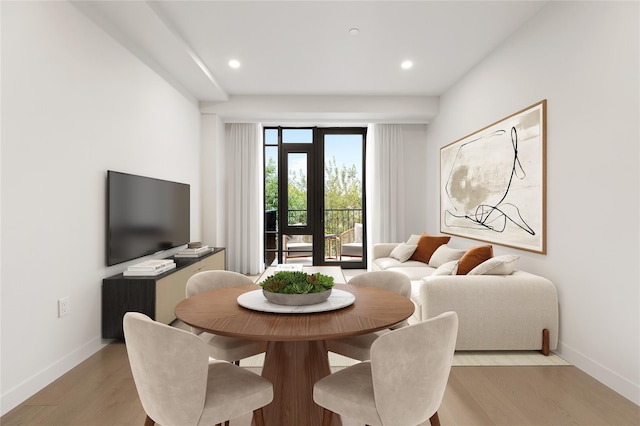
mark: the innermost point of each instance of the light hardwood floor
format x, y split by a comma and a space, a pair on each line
100, 391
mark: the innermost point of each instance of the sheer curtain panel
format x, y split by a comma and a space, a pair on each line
244, 196
385, 184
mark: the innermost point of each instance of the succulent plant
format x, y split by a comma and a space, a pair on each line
296, 282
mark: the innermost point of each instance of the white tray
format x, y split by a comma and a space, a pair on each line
256, 301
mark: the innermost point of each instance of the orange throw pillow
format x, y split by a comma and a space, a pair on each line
473, 257
427, 244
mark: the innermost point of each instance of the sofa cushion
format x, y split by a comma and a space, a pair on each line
449, 268
445, 254
414, 273
412, 268
299, 250
499, 265
473, 257
351, 249
427, 245
385, 263
403, 251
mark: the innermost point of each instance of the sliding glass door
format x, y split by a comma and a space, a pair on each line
342, 184
314, 196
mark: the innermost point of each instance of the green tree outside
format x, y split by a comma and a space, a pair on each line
343, 189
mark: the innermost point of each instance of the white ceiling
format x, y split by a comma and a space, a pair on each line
304, 47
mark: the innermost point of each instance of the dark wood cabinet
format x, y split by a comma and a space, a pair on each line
156, 296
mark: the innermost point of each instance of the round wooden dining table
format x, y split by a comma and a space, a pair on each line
296, 356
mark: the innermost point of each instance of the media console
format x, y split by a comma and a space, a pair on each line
156, 296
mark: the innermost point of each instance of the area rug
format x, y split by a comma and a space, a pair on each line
460, 359
505, 358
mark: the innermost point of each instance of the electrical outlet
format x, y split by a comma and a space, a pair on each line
63, 307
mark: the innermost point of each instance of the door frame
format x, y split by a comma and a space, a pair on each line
315, 192
283, 201
319, 135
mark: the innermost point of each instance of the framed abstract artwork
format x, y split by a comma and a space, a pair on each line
493, 182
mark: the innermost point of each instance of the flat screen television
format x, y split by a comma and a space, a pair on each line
144, 216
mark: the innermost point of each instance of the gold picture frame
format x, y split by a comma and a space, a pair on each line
493, 182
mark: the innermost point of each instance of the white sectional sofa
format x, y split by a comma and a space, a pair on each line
496, 311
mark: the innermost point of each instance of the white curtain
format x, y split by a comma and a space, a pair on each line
245, 208
385, 184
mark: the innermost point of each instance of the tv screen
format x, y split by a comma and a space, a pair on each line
144, 216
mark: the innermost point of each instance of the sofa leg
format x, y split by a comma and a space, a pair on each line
545, 342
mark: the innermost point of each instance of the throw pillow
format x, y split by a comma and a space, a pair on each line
357, 233
403, 251
427, 245
444, 254
448, 268
473, 257
499, 265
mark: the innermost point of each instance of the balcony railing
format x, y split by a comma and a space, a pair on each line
336, 221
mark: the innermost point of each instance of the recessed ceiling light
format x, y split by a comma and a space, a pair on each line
406, 65
354, 31
234, 63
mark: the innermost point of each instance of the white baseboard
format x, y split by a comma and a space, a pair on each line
604, 375
20, 393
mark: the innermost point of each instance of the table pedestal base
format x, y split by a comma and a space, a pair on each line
293, 368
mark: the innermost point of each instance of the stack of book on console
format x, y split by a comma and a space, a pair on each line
150, 268
191, 252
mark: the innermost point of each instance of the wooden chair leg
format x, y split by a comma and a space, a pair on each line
258, 417
226, 423
545, 342
435, 420
326, 417
149, 421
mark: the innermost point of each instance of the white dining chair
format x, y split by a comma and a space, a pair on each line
402, 384
358, 347
177, 382
222, 347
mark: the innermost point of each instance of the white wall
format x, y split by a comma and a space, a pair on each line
583, 58
74, 104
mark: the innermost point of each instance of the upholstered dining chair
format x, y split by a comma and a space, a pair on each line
179, 385
402, 384
357, 347
222, 347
